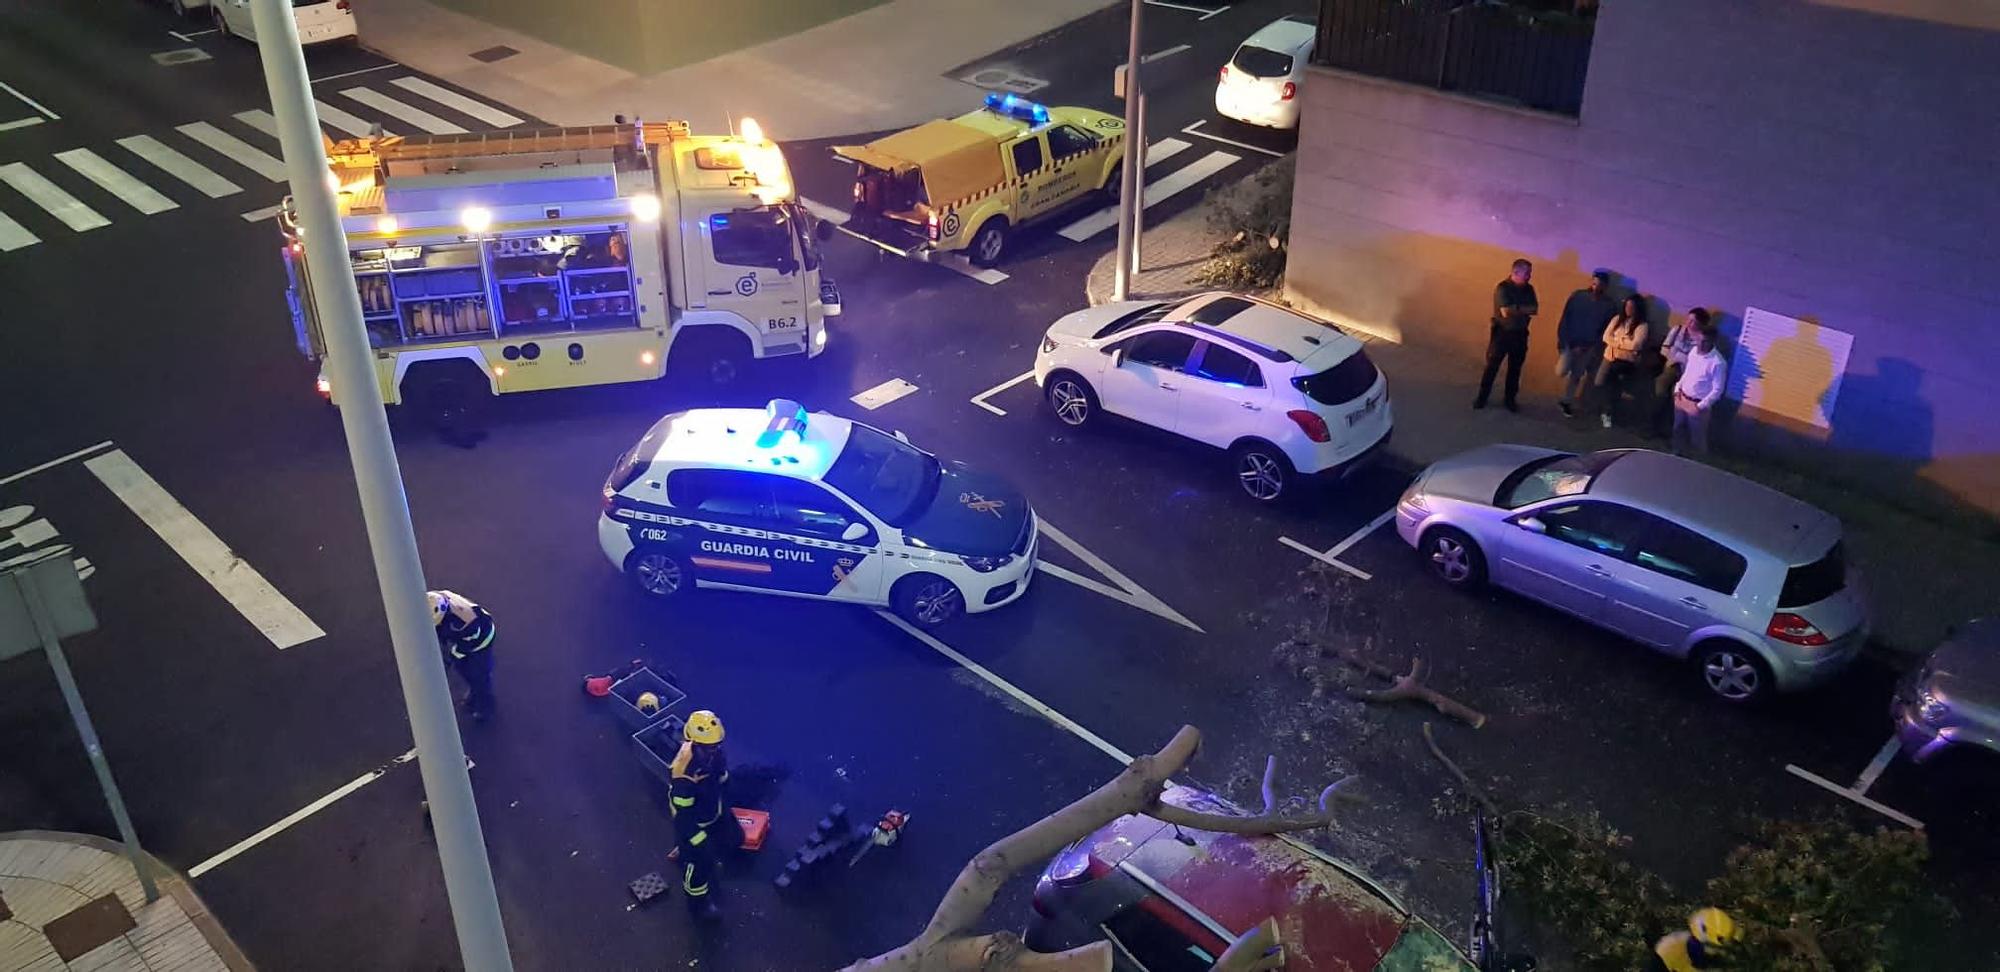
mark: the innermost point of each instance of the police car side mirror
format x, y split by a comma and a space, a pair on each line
854, 531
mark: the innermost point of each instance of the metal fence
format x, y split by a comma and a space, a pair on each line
1508, 52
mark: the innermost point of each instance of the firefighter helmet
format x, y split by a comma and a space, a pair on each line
648, 703
703, 727
440, 603
1713, 926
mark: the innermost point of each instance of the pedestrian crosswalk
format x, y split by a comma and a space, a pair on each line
83, 188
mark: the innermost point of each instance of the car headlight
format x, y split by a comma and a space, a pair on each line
987, 565
1414, 502
1931, 709
1048, 344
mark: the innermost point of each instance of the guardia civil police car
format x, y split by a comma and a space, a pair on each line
813, 505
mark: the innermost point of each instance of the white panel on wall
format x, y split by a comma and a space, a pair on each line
1789, 367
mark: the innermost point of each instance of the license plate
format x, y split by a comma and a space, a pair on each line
1367, 408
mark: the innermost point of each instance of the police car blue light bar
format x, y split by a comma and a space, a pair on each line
786, 416
1016, 107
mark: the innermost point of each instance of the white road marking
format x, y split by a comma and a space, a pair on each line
1193, 130
1873, 771
116, 181
1098, 221
345, 120
1177, 6
1856, 796
883, 394
1169, 52
260, 215
51, 197
235, 149
30, 102
190, 36
1126, 592
957, 263
28, 122
409, 113
246, 590
824, 211
1003, 685
981, 398
260, 120
349, 74
52, 463
180, 166
1323, 558
452, 99
28, 535
297, 815
1166, 187
14, 236
1331, 555
1212, 13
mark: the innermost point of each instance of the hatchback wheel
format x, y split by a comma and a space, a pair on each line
1262, 471
660, 574
1454, 558
927, 600
1733, 672
1071, 399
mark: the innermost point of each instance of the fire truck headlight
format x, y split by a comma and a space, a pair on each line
478, 219
646, 208
386, 225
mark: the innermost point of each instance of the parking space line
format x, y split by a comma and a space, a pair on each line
883, 394
30, 102
1191, 130
981, 398
1323, 558
52, 463
297, 815
1012, 691
1177, 6
1855, 793
276, 617
1169, 52
957, 263
1218, 10
1357, 536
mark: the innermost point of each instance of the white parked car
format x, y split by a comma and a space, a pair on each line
1260, 84
319, 21
1286, 395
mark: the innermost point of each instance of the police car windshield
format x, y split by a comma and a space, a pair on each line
894, 480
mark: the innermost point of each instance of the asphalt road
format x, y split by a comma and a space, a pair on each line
165, 335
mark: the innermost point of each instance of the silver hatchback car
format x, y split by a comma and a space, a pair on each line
1746, 582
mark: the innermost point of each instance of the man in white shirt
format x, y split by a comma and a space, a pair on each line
1700, 387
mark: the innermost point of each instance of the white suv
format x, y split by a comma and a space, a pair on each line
1285, 394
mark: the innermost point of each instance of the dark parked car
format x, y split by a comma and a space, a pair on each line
1954, 699
1171, 899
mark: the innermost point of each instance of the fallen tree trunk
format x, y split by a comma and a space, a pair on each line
947, 943
1410, 687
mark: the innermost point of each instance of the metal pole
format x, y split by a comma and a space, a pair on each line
1121, 281
468, 877
66, 681
1139, 205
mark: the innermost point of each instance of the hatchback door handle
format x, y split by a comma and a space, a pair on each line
1598, 570
1692, 602
1248, 405
1166, 386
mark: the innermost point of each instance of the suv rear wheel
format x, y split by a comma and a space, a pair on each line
1071, 400
1262, 471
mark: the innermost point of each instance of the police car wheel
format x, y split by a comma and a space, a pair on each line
1262, 471
990, 242
659, 573
1071, 400
927, 600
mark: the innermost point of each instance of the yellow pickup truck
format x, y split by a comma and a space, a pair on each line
968, 183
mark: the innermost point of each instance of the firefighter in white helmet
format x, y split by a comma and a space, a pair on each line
465, 634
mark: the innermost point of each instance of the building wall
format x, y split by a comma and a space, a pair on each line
1807, 157
649, 36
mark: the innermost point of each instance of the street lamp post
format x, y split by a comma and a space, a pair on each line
468, 877
1135, 142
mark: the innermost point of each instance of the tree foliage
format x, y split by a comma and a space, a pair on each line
1253, 218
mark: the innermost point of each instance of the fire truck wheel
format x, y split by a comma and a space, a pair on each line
990, 242
717, 354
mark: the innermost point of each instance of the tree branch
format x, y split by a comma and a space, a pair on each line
1410, 686
1459, 774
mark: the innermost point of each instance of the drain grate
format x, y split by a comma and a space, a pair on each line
186, 55
1004, 78
498, 52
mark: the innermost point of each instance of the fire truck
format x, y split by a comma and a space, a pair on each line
563, 257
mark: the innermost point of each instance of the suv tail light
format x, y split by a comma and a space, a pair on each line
341, 5
1311, 424
1796, 630
931, 226
1290, 90
1224, 76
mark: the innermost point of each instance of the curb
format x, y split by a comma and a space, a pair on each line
171, 883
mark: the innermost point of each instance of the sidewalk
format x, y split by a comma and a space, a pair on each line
878, 69
1923, 574
72, 901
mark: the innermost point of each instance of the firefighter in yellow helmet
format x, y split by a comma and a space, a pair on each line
699, 772
1703, 945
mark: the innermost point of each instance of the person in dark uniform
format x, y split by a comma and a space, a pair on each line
465, 634
699, 772
1514, 306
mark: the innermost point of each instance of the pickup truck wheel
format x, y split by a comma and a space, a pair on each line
989, 242
1114, 185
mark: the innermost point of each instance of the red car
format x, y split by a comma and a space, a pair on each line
1171, 899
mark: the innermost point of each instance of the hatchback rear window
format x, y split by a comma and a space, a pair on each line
1814, 582
1260, 62
1341, 383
